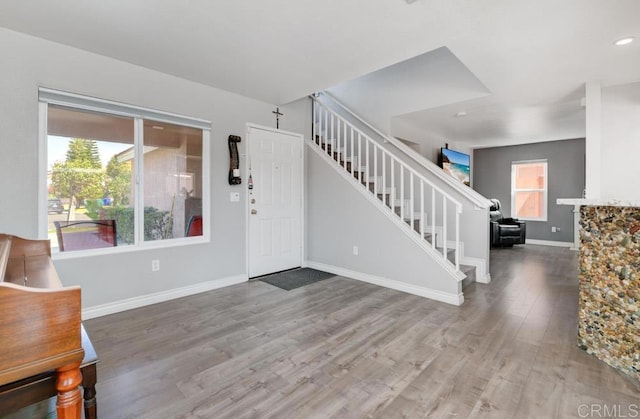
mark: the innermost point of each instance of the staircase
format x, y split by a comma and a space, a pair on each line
446, 219
425, 211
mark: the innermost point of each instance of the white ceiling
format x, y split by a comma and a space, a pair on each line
532, 57
430, 80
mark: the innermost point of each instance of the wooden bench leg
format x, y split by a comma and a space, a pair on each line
89, 379
69, 405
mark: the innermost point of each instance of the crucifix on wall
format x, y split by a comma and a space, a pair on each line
278, 115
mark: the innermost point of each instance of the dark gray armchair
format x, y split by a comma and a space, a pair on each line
505, 231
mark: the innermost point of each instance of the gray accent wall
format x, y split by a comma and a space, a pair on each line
492, 178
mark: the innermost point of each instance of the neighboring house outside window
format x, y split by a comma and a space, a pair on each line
122, 176
529, 190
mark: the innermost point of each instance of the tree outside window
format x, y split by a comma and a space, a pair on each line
80, 176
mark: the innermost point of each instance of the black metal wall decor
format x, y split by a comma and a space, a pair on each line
234, 160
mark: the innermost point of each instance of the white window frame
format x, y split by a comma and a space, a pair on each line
85, 103
544, 190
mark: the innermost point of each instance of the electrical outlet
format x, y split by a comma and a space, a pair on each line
554, 229
155, 265
355, 250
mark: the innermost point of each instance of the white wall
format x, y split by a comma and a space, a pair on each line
297, 117
430, 80
430, 142
620, 147
593, 140
30, 62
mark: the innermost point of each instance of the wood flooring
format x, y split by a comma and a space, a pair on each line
341, 348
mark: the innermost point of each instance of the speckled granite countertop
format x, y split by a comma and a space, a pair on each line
598, 202
609, 316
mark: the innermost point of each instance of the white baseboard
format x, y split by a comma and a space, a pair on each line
445, 297
549, 243
158, 297
482, 276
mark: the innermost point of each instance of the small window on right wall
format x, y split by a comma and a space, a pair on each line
529, 190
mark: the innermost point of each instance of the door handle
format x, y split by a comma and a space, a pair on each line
254, 212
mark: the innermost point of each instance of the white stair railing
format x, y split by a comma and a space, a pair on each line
421, 204
473, 196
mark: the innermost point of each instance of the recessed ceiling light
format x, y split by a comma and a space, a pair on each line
158, 127
625, 41
461, 114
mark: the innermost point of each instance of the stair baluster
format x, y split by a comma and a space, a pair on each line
402, 192
392, 202
384, 180
353, 163
422, 220
433, 218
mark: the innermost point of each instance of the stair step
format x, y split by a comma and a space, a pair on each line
387, 190
416, 216
386, 198
428, 237
416, 224
348, 164
359, 171
407, 214
360, 176
470, 272
322, 141
451, 254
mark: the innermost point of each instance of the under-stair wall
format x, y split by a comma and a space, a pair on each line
338, 218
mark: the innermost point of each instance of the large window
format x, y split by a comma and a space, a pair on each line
529, 190
122, 176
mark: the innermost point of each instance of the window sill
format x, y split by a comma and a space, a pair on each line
161, 244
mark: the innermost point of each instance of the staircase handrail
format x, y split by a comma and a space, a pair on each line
473, 196
396, 159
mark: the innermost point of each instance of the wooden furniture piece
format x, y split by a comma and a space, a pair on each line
86, 234
40, 327
17, 395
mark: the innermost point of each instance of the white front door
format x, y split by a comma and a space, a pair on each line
275, 202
